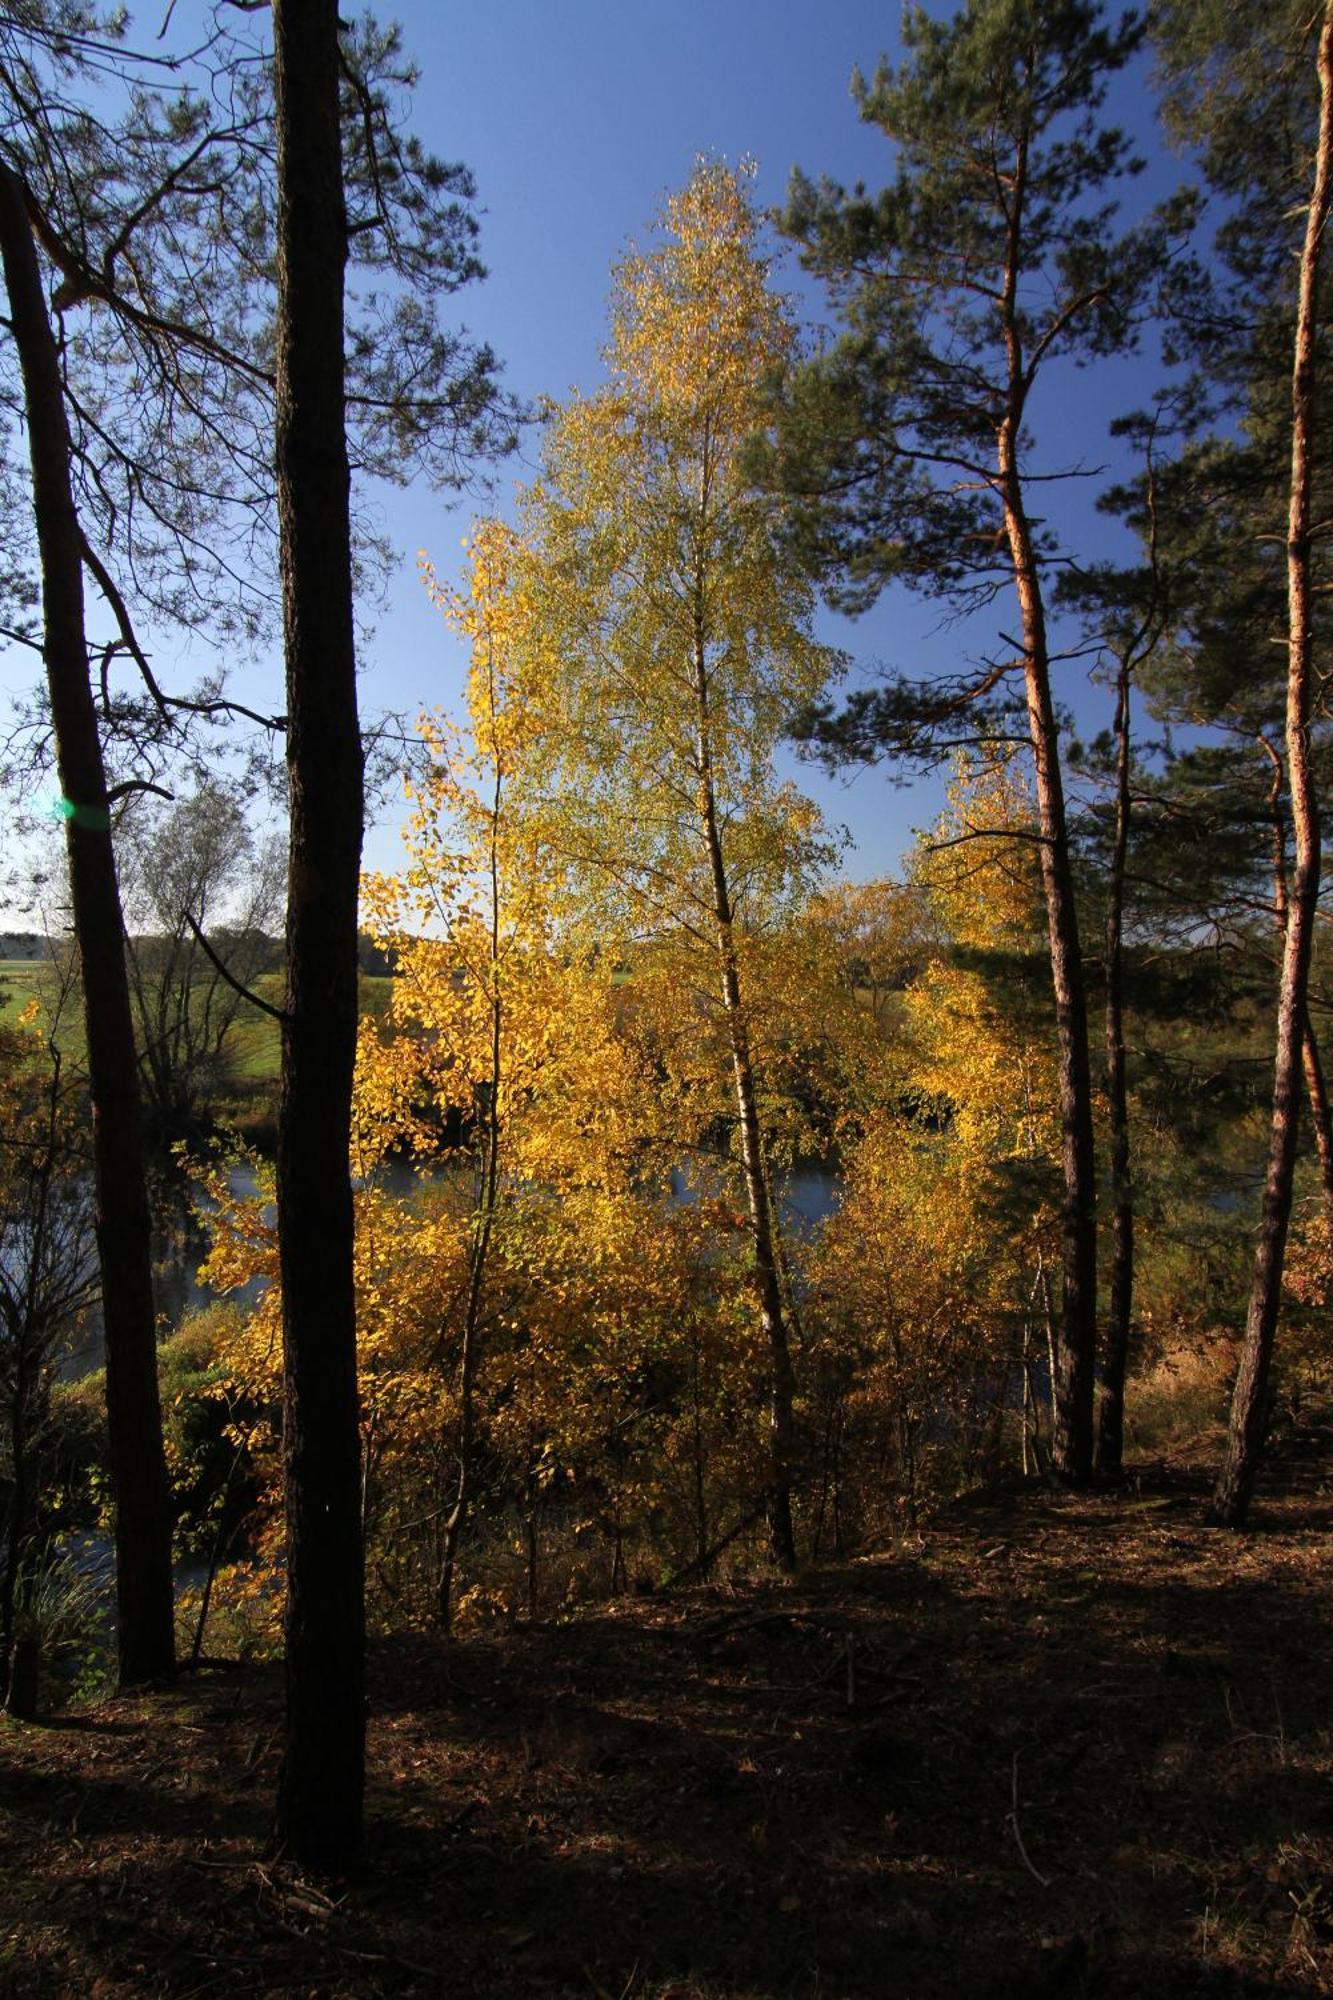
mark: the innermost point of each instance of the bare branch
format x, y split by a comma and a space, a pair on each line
256, 999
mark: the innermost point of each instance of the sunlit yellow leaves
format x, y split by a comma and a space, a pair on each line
979, 865
666, 636
971, 1014
689, 320
614, 954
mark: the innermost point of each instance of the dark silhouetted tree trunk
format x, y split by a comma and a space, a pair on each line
320, 1791
1111, 1415
145, 1633
1235, 1484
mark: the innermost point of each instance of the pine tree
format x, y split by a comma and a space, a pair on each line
145, 1618
991, 258
1243, 513
1224, 71
147, 384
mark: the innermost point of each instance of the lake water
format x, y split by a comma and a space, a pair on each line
806, 1197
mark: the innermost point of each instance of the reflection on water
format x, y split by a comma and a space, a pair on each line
809, 1196
179, 1248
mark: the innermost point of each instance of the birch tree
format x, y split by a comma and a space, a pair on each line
671, 646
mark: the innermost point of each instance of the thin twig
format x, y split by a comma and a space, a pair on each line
1012, 1817
392, 1958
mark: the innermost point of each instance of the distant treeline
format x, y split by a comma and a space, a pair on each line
370, 957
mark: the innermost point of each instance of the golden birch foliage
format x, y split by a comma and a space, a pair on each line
405, 1251
670, 640
823, 988
635, 654
669, 644
25, 1093
901, 1259
614, 1290
513, 1023
911, 1307
481, 1011
410, 1255
509, 1031
880, 933
923, 1278
670, 1017
497, 1015
853, 952
973, 1043
979, 865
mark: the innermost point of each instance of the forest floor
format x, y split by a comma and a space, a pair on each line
1052, 1746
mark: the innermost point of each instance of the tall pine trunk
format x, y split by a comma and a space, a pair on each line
321, 1786
1076, 1338
145, 1636
1321, 1117
1111, 1414
1235, 1484
1316, 1087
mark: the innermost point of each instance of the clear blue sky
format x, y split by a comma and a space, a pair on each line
575, 119
576, 116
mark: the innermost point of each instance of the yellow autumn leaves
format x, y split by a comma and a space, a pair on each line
609, 908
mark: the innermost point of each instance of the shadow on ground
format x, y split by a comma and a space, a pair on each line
1054, 1746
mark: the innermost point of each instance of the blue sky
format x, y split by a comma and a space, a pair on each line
576, 116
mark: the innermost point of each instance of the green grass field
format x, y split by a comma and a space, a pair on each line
20, 979
23, 980
253, 1043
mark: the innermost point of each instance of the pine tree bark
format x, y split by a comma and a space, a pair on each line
1111, 1414
1316, 1087
1235, 1486
1075, 1345
1321, 1117
321, 1786
145, 1636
